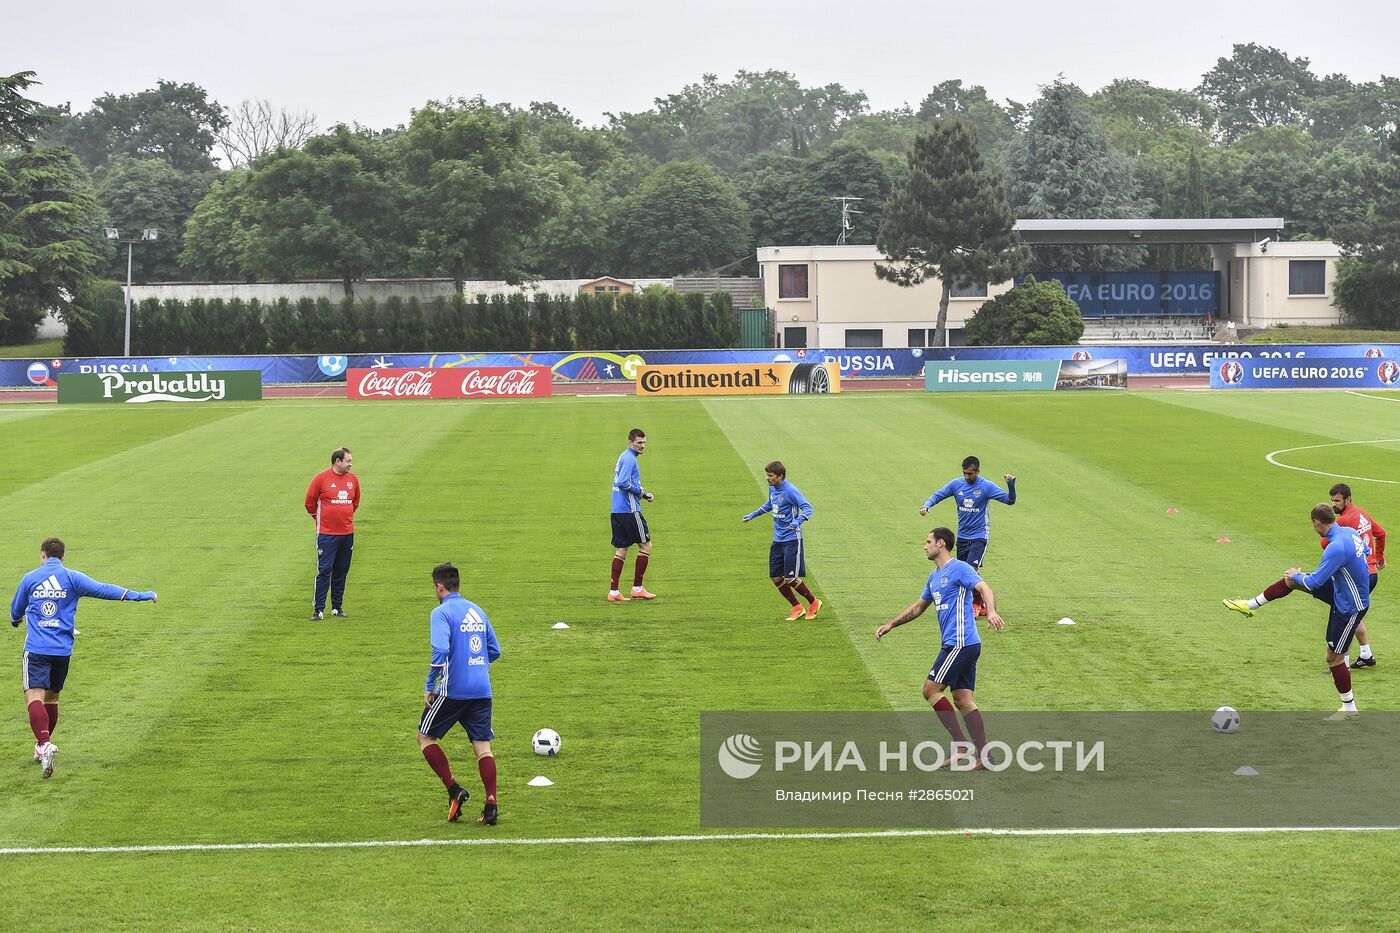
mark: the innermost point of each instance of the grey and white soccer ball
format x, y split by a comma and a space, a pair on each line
1225, 719
547, 742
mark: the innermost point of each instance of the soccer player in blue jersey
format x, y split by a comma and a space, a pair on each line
787, 555
949, 590
1343, 581
458, 689
628, 525
973, 494
47, 598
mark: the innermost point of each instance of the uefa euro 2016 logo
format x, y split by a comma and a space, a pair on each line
1081, 355
1374, 352
1388, 372
1231, 372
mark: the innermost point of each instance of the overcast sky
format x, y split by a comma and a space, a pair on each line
372, 62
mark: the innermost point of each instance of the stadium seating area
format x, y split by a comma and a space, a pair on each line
1148, 329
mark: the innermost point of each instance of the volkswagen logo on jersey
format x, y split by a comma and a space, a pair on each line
48, 607
38, 375
1081, 355
1374, 352
1231, 372
332, 365
474, 643
1388, 372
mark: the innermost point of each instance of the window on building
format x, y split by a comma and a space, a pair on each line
795, 338
864, 338
917, 337
792, 281
962, 288
1307, 277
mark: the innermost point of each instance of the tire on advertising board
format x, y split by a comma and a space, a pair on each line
809, 379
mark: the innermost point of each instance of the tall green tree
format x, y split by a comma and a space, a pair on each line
685, 218
140, 193
215, 238
1063, 166
947, 218
1258, 86
48, 219
176, 123
995, 124
474, 195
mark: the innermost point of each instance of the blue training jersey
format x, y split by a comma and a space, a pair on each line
464, 644
1344, 563
949, 588
972, 500
790, 509
627, 489
48, 598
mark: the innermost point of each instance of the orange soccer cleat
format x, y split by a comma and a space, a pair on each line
617, 598
797, 613
642, 593
813, 608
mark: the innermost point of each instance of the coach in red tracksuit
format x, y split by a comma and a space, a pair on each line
332, 499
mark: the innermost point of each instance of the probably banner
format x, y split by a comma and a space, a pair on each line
1319, 373
622, 366
459, 382
770, 379
1024, 376
138, 388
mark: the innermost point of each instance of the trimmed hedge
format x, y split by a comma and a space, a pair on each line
202, 327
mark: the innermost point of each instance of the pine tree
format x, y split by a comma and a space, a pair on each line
948, 219
1196, 258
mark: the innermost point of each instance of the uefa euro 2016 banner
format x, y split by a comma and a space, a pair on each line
1315, 373
137, 388
1023, 375
457, 382
731, 379
588, 366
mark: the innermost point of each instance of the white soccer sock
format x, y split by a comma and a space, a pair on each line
1258, 601
1346, 659
1365, 651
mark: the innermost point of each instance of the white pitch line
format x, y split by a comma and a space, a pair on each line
1379, 398
1287, 466
714, 837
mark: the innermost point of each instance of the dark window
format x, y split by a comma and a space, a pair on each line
864, 338
962, 288
1307, 277
795, 338
917, 337
792, 281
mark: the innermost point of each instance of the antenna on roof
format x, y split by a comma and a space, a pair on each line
846, 212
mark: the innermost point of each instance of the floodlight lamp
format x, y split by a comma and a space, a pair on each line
150, 233
111, 233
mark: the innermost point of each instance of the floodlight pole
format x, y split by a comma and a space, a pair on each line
126, 343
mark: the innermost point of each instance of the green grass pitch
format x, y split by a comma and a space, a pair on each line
221, 715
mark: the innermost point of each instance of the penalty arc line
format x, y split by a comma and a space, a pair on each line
713, 837
1287, 466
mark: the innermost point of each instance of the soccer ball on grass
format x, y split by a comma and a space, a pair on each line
546, 742
1225, 719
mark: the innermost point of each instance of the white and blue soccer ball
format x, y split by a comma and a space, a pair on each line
546, 742
1225, 719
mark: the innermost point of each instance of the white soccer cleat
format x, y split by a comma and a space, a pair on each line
46, 757
38, 753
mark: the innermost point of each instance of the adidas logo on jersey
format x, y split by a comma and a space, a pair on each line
50, 589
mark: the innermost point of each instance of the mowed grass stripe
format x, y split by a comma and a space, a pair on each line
153, 696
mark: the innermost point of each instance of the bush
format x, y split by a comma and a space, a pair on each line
1033, 314
1368, 294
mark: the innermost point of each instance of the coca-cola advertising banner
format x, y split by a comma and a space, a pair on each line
451, 382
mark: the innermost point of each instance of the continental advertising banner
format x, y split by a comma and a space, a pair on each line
732, 379
1312, 373
241, 385
458, 382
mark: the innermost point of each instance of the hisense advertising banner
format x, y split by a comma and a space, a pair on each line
730, 379
462, 382
990, 375
239, 385
1312, 373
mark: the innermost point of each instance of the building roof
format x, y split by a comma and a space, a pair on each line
1149, 230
